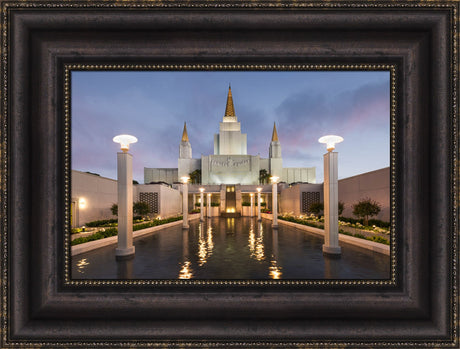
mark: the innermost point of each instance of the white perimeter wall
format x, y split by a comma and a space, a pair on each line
169, 199
99, 194
291, 198
375, 185
170, 202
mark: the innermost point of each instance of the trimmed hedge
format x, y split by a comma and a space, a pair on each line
96, 236
156, 222
109, 222
76, 230
376, 222
301, 221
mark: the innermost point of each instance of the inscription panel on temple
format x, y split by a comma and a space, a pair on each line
231, 163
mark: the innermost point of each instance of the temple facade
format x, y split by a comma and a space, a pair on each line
230, 164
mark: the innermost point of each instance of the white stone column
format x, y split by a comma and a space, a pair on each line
125, 205
275, 205
251, 213
209, 206
331, 202
185, 206
201, 205
258, 206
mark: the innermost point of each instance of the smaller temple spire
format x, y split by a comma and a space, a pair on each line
274, 134
229, 109
184, 134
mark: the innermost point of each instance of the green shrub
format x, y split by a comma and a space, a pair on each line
196, 210
114, 209
379, 239
357, 235
301, 221
141, 208
109, 222
215, 204
245, 203
316, 208
76, 230
379, 223
156, 222
96, 236
376, 222
102, 222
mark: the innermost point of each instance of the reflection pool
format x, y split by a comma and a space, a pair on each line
231, 248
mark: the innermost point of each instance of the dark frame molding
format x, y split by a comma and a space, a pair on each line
40, 308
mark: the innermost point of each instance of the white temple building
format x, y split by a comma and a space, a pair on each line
230, 179
230, 163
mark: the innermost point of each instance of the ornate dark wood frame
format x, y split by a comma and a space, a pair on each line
40, 308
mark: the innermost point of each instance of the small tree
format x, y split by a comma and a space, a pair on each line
114, 209
341, 207
316, 208
141, 208
264, 176
195, 177
366, 208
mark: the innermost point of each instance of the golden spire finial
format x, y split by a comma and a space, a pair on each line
229, 109
184, 134
275, 134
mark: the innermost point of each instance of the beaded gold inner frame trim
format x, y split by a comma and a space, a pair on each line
229, 67
42, 307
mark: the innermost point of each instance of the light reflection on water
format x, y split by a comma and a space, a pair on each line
275, 270
81, 264
186, 271
231, 248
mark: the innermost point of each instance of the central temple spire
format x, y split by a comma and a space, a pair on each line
274, 134
184, 134
229, 109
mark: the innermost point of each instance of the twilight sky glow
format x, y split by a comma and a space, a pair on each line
153, 105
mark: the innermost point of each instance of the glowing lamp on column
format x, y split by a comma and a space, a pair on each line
331, 197
125, 141
330, 141
82, 203
274, 179
184, 179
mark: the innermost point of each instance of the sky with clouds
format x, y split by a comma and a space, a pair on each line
305, 105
